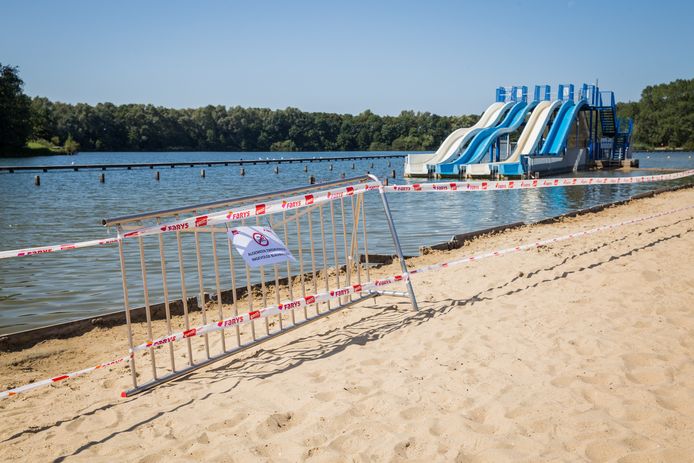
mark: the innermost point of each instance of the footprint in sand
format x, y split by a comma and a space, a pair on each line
325, 396
229, 423
411, 413
405, 448
650, 275
372, 361
605, 450
278, 422
646, 369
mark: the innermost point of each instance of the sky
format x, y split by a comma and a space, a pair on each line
445, 57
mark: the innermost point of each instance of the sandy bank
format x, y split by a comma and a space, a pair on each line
578, 351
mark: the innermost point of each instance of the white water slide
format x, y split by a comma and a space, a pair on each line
417, 164
529, 138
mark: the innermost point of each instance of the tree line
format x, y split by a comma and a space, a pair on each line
139, 127
664, 117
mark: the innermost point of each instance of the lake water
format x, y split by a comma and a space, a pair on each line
68, 206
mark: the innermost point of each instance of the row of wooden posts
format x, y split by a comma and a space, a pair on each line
312, 179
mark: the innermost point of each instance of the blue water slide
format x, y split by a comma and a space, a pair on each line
559, 132
479, 146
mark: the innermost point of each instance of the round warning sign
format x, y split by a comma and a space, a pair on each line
260, 239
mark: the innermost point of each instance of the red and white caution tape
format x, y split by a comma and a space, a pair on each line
229, 215
537, 244
271, 207
269, 311
56, 247
323, 297
55, 379
537, 183
299, 201
237, 320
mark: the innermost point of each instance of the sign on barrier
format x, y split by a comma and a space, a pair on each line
259, 246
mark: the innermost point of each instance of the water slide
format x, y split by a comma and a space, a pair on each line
479, 146
417, 164
527, 142
564, 122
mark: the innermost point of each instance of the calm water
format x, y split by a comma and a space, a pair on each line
69, 206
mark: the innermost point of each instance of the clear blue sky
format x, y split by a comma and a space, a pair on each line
440, 56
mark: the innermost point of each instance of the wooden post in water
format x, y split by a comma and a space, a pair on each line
156, 176
37, 181
243, 172
277, 169
202, 173
312, 180
102, 178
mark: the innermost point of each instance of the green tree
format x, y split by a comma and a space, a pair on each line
71, 146
15, 112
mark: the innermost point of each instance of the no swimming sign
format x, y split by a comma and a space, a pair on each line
259, 246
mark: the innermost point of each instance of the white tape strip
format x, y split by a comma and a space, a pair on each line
289, 203
269, 311
299, 201
55, 379
538, 183
322, 297
55, 247
271, 207
537, 244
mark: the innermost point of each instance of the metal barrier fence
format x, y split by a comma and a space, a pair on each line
190, 265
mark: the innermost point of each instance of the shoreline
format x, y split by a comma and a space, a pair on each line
12, 342
580, 349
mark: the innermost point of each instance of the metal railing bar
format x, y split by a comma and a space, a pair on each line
229, 202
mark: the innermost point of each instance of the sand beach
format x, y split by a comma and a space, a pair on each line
579, 351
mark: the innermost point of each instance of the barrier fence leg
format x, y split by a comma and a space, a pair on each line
126, 303
396, 242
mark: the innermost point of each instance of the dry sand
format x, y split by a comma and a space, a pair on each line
582, 351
